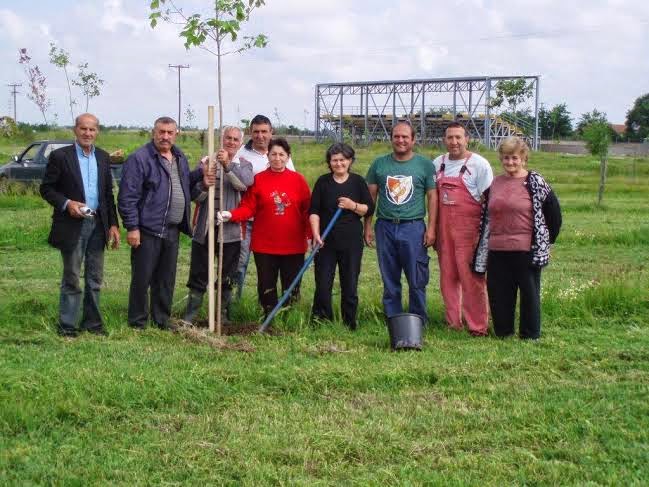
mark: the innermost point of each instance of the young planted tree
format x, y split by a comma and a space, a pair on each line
190, 116
277, 117
216, 32
591, 117
89, 82
598, 137
305, 130
61, 59
37, 83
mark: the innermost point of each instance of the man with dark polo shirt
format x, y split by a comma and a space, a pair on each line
404, 185
154, 203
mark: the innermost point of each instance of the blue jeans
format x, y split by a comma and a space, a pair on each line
244, 259
90, 252
400, 247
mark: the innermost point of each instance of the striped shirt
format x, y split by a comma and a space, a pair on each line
177, 204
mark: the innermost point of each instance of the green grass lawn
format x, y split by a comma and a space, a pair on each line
322, 405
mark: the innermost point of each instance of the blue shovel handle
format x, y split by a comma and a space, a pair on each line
305, 266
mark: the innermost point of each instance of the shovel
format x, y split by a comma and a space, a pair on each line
305, 266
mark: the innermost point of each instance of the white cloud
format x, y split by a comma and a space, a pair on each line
114, 17
12, 25
587, 57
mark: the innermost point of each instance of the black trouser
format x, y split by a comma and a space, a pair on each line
198, 268
268, 268
507, 273
153, 264
349, 267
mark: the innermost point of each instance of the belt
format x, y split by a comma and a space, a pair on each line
400, 221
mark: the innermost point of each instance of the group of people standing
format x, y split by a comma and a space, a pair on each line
478, 224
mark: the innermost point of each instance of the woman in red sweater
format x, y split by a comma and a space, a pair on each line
279, 201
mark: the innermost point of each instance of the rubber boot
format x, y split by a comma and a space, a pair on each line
226, 298
194, 303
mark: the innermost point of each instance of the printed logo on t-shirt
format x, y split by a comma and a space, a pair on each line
399, 189
281, 201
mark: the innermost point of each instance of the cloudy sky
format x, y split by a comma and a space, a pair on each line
589, 54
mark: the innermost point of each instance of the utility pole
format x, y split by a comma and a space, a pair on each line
178, 67
14, 92
306, 113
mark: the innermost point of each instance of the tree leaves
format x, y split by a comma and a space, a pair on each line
597, 135
59, 57
37, 83
226, 24
556, 122
513, 91
89, 82
637, 119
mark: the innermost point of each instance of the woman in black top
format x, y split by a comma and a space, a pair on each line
339, 189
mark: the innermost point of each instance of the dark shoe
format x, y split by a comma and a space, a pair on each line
100, 331
167, 327
67, 332
476, 334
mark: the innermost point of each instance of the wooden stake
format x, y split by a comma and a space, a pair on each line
218, 76
219, 294
210, 220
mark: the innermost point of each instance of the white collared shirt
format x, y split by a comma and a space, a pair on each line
258, 160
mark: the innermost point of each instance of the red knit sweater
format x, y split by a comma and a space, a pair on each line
279, 201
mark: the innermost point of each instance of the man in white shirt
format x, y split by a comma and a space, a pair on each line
254, 151
462, 177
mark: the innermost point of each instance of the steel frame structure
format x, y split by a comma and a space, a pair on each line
370, 107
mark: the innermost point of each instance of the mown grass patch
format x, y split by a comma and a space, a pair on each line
317, 404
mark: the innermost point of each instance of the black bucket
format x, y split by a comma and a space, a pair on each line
406, 331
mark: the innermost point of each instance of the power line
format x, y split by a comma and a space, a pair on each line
179, 67
14, 92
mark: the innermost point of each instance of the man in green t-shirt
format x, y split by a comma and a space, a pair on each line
404, 183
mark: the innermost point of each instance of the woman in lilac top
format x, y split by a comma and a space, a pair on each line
521, 219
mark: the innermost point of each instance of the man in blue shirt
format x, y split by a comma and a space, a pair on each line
79, 186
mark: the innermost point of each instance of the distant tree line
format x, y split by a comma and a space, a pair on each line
556, 122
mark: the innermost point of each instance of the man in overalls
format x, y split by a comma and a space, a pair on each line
462, 177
